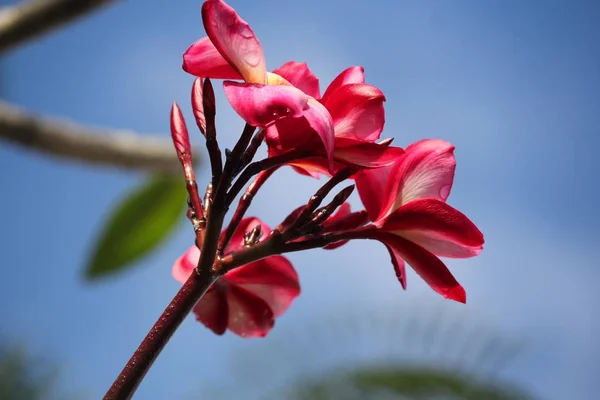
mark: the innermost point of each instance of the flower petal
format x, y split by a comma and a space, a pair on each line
399, 267
212, 309
246, 225
430, 268
261, 105
321, 122
235, 40
357, 111
273, 279
437, 227
185, 264
348, 76
300, 76
372, 189
249, 315
202, 59
425, 170
364, 154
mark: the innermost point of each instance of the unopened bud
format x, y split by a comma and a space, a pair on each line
179, 133
198, 105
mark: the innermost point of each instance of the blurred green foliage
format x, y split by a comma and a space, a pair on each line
140, 222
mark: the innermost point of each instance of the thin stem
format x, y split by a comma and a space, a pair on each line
262, 165
243, 206
317, 198
162, 330
212, 145
198, 215
274, 245
205, 273
320, 215
232, 163
250, 152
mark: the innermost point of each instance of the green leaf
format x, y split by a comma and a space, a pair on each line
140, 222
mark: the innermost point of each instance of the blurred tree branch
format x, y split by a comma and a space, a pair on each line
28, 19
117, 148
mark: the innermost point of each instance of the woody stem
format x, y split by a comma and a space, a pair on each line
204, 275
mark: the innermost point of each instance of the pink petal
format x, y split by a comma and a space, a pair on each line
321, 122
246, 225
300, 76
202, 59
249, 315
212, 309
357, 111
313, 171
430, 268
293, 134
348, 76
273, 279
425, 170
364, 154
399, 267
261, 105
185, 264
437, 227
372, 189
235, 40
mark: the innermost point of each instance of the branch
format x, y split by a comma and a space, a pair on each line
28, 19
117, 148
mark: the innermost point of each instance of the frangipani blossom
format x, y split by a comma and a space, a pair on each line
406, 203
247, 299
426, 169
358, 119
232, 51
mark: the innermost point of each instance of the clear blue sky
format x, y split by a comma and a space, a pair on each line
513, 84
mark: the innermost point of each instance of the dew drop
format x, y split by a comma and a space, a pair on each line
445, 191
246, 32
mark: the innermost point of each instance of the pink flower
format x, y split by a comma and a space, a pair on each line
406, 202
232, 51
247, 299
358, 119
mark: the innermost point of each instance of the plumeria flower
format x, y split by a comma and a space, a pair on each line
407, 203
358, 119
247, 299
232, 51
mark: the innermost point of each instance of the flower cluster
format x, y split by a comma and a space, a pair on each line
337, 134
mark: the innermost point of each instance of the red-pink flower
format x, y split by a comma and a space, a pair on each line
247, 299
358, 119
406, 202
232, 51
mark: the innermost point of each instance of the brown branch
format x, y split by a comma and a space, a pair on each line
117, 148
29, 19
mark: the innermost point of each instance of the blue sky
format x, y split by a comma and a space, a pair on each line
514, 85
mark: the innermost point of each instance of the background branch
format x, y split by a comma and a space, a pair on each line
118, 148
28, 19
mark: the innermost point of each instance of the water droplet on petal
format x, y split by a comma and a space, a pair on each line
246, 32
445, 191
